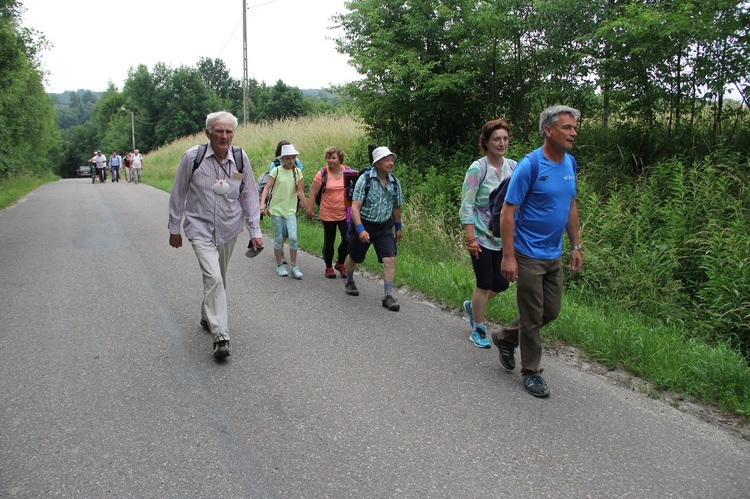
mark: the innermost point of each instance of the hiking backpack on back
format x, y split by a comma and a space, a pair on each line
348, 172
262, 181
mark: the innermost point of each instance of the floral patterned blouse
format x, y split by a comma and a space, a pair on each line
475, 197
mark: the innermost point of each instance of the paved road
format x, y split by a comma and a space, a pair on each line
108, 387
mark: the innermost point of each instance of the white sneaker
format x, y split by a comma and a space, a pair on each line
281, 270
296, 272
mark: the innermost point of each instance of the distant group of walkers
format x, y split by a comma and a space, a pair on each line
131, 163
215, 195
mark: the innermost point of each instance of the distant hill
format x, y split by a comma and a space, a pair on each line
64, 98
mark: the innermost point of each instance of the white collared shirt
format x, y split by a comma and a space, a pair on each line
212, 217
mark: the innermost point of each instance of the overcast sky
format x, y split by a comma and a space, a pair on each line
97, 41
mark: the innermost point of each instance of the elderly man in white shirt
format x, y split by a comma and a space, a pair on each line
216, 200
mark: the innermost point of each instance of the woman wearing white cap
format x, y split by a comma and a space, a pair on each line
288, 185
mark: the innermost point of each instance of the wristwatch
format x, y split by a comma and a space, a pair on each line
576, 248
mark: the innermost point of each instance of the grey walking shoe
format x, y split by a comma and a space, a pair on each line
221, 349
535, 385
351, 288
390, 303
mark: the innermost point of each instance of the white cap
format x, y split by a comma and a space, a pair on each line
288, 150
380, 153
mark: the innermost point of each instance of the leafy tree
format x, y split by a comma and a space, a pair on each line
28, 127
284, 102
187, 100
215, 75
418, 88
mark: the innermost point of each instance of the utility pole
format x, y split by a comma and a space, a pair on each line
244, 63
132, 125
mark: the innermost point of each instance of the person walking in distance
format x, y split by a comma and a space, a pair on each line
100, 163
538, 208
485, 249
136, 165
114, 166
376, 212
215, 200
126, 165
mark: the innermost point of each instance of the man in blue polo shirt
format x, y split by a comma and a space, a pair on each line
535, 214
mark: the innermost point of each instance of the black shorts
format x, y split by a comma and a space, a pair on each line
381, 237
487, 269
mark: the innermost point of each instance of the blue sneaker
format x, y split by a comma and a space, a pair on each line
479, 338
467, 307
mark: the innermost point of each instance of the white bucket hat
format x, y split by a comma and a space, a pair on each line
381, 152
289, 150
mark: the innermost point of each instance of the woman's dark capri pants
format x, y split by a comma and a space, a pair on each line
487, 270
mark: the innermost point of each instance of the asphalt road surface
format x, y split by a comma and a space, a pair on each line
108, 387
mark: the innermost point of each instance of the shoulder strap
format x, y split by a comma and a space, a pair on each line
534, 160
238, 161
323, 178
368, 182
199, 158
485, 172
575, 163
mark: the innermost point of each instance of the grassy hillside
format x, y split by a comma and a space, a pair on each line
311, 137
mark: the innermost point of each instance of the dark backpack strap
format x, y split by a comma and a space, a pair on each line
368, 182
198, 158
238, 162
534, 162
575, 163
323, 178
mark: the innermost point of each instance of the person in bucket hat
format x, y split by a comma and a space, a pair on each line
288, 186
376, 214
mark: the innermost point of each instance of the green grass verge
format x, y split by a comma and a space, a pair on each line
13, 189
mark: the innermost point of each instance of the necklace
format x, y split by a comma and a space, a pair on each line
221, 186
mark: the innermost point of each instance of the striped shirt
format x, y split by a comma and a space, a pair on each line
378, 207
212, 217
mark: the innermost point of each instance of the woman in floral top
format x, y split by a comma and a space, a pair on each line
485, 249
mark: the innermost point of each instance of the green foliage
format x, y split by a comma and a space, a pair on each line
27, 119
675, 245
434, 69
13, 189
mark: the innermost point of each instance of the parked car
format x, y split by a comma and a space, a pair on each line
84, 171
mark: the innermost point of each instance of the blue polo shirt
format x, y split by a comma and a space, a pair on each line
543, 212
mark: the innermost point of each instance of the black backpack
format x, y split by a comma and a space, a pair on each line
497, 196
323, 180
